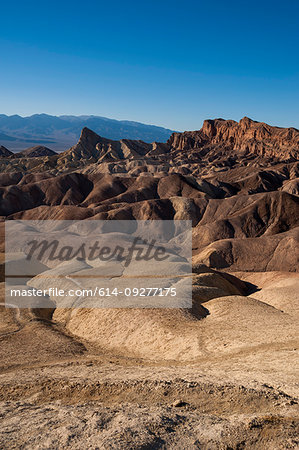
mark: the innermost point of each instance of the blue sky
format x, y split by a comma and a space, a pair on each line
169, 63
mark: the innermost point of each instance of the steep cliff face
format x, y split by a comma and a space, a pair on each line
246, 136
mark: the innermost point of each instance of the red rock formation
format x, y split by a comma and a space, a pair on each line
247, 136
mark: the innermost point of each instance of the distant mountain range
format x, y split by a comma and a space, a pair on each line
61, 132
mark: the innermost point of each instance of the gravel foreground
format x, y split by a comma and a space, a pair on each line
122, 403
224, 380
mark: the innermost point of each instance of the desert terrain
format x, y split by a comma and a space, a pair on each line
220, 375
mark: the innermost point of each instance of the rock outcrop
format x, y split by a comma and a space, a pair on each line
246, 137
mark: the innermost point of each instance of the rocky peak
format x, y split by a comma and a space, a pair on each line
85, 147
88, 138
246, 122
5, 152
209, 128
35, 152
92, 146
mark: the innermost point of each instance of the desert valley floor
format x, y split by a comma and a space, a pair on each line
220, 375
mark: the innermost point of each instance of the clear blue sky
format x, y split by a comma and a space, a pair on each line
170, 63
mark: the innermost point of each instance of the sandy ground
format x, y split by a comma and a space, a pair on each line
227, 380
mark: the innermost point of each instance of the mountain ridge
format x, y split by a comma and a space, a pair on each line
63, 131
246, 137
220, 140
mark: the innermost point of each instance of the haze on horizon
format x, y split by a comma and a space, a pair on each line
171, 64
